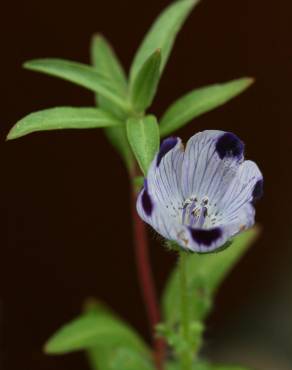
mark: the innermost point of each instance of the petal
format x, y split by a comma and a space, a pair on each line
159, 218
164, 176
246, 187
210, 163
239, 221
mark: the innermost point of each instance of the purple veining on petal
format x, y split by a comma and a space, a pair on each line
146, 200
258, 190
205, 236
165, 147
229, 145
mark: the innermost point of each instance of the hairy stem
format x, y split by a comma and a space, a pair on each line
186, 355
146, 281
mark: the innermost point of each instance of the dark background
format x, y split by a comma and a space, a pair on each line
65, 221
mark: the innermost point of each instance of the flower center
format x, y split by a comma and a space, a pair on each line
199, 213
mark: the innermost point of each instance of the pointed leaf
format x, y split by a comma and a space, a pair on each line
162, 34
80, 74
143, 135
145, 83
62, 118
106, 63
200, 101
205, 272
96, 329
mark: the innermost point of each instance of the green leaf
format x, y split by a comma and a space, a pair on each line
196, 366
227, 367
162, 34
145, 83
200, 101
143, 135
80, 74
205, 366
205, 272
127, 359
95, 329
98, 356
62, 118
106, 63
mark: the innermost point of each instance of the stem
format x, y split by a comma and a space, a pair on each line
146, 281
186, 355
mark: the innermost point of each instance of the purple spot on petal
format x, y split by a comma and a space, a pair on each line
165, 147
206, 236
229, 145
146, 200
258, 190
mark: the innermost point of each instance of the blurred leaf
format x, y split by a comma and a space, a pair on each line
227, 367
162, 34
80, 74
106, 63
127, 359
196, 366
98, 356
62, 118
205, 272
205, 366
96, 329
145, 83
112, 357
200, 101
143, 135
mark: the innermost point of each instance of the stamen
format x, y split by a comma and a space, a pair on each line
195, 215
201, 221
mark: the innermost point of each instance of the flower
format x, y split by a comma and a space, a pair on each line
203, 195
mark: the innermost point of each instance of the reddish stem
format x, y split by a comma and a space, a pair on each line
146, 282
